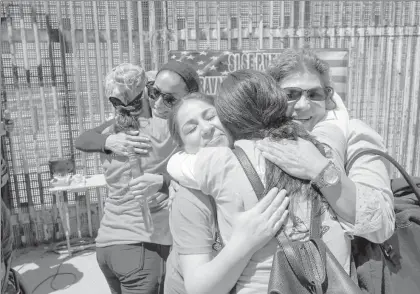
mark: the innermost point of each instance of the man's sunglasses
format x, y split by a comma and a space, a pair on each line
314, 94
135, 104
168, 99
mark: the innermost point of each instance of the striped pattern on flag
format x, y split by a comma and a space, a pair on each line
338, 61
213, 65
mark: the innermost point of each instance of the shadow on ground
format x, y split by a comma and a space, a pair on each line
46, 272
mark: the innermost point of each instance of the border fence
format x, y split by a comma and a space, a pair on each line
54, 55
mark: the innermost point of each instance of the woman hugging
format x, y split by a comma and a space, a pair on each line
297, 135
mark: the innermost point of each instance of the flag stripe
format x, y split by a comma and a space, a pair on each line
339, 79
339, 71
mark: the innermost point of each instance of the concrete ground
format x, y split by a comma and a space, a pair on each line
78, 274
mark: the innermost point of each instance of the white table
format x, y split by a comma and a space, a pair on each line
93, 181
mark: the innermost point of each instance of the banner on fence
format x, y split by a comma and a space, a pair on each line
213, 66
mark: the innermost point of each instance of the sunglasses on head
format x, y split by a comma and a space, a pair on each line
168, 99
314, 94
136, 103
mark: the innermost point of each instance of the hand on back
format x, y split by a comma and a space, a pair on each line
121, 142
258, 225
299, 158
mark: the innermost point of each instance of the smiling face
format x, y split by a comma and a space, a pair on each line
199, 126
305, 111
167, 82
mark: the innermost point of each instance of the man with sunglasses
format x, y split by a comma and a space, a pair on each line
131, 257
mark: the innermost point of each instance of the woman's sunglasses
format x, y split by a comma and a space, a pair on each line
135, 104
168, 99
314, 94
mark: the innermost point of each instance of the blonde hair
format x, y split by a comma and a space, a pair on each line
125, 81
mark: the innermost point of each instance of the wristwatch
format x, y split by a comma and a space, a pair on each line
329, 176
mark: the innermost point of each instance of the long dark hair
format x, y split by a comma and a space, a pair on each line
251, 105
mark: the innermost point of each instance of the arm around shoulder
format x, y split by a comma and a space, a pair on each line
211, 168
93, 140
180, 167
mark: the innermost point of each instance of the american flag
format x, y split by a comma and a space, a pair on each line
206, 62
217, 63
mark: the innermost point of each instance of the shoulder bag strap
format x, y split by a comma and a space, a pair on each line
259, 189
250, 172
254, 179
387, 249
410, 182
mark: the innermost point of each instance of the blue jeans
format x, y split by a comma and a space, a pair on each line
134, 268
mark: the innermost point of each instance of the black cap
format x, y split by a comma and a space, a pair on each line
186, 72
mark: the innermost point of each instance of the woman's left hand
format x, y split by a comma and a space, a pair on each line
299, 158
146, 185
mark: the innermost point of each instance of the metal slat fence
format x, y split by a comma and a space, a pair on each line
54, 55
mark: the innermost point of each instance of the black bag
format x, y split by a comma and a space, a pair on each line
393, 267
302, 267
